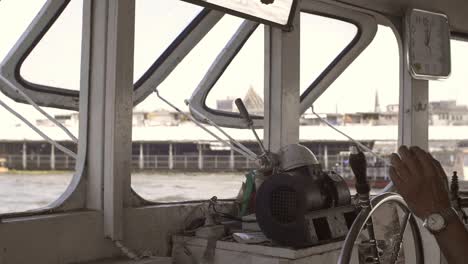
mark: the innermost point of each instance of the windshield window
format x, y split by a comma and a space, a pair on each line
448, 115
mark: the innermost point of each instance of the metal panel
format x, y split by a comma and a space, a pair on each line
118, 60
414, 104
282, 88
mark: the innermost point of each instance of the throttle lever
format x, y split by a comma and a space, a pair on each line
246, 116
358, 164
243, 112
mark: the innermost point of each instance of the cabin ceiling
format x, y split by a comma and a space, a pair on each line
457, 10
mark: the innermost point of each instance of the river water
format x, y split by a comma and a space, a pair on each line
21, 192
28, 191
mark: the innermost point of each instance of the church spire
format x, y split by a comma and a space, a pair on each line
377, 104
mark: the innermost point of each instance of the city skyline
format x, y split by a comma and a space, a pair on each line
376, 69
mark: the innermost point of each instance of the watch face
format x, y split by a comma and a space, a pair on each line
428, 44
435, 222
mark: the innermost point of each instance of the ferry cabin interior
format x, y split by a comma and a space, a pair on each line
100, 218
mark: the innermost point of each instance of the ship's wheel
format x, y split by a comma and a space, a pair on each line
363, 223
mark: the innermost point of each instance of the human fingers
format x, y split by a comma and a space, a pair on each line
395, 177
441, 173
411, 162
426, 161
400, 168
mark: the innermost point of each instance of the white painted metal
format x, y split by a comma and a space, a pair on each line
119, 17
173, 59
79, 236
229, 52
282, 67
92, 81
414, 104
62, 98
414, 125
367, 29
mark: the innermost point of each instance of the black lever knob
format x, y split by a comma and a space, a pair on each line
358, 164
243, 112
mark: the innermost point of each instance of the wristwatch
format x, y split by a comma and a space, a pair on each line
437, 222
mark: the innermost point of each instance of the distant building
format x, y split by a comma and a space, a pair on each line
393, 108
68, 120
310, 119
225, 104
138, 118
376, 103
352, 118
253, 102
162, 118
448, 113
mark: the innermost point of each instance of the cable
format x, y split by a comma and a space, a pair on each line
225, 142
38, 108
38, 131
242, 146
389, 186
350, 138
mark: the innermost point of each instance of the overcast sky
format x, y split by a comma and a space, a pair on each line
56, 60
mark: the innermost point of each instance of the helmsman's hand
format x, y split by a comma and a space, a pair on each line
420, 179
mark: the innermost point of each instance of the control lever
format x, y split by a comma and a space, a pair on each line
358, 164
246, 116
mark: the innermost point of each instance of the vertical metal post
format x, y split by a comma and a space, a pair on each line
52, 157
413, 124
107, 76
155, 161
118, 114
38, 161
141, 159
231, 160
414, 107
171, 157
200, 156
282, 89
25, 156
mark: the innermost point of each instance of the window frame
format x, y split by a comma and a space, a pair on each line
62, 98
366, 30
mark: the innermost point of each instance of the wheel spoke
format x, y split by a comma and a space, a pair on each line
399, 240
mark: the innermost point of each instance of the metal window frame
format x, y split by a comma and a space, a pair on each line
287, 27
367, 29
63, 98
